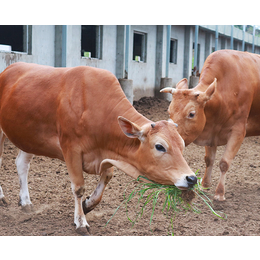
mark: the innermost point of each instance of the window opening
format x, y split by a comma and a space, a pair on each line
91, 41
14, 38
139, 46
173, 51
235, 45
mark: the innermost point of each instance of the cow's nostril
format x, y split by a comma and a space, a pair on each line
192, 180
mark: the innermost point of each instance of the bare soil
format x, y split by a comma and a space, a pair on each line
53, 202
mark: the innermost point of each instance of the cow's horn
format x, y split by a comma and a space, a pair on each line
171, 121
168, 90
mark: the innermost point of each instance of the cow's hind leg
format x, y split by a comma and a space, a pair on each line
23, 164
93, 200
3, 200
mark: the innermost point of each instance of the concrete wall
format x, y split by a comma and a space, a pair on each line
108, 60
42, 49
176, 70
143, 73
47, 46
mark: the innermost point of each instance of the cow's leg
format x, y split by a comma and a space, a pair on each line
2, 138
93, 200
233, 145
23, 164
209, 160
74, 164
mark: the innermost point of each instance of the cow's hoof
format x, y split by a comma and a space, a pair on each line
219, 197
28, 208
4, 202
83, 231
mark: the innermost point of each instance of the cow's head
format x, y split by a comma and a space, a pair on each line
157, 154
187, 109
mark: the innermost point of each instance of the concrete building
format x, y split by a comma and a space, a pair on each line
144, 58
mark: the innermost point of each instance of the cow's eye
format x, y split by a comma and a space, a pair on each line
160, 148
191, 114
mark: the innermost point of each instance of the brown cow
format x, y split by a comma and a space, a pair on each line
81, 116
222, 109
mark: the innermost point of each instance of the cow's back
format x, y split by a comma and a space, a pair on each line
238, 88
40, 105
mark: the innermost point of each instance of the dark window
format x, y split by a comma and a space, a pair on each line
139, 46
13, 35
223, 43
91, 41
235, 45
173, 51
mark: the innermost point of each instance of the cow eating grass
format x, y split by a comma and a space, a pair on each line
81, 116
221, 110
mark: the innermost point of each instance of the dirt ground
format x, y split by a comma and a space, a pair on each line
53, 202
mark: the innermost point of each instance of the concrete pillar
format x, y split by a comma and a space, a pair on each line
253, 43
162, 58
187, 52
127, 87
64, 46
168, 44
58, 45
159, 60
207, 45
216, 38
232, 38
193, 81
121, 52
196, 47
243, 41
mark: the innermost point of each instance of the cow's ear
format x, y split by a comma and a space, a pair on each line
210, 90
182, 84
129, 128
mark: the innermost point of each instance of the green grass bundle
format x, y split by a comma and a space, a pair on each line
175, 200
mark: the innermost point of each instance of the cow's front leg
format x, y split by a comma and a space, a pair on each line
73, 161
82, 226
93, 200
233, 145
23, 165
210, 153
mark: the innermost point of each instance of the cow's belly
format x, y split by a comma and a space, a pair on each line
32, 137
38, 145
28, 118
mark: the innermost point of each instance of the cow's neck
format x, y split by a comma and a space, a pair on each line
210, 135
119, 146
126, 110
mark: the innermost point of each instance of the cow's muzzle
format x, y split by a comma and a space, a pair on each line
191, 180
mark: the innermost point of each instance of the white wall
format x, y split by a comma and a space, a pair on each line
43, 37
143, 73
108, 60
176, 70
